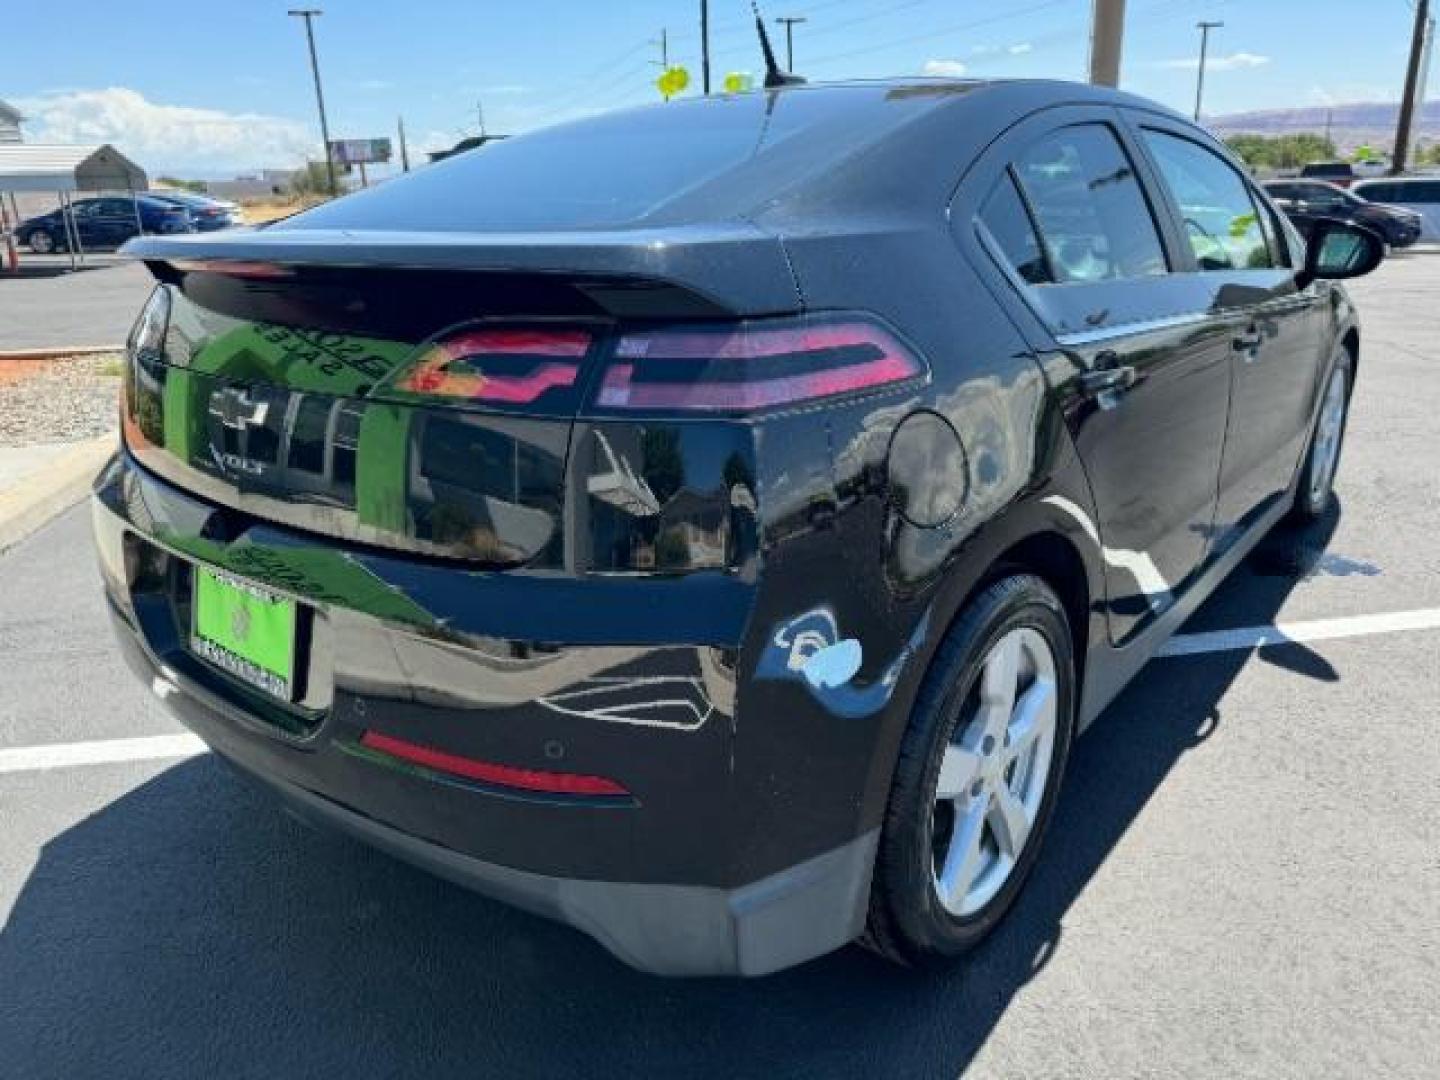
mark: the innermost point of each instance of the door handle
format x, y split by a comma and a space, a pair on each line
1107, 380
1249, 343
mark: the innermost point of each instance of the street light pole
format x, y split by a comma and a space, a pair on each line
789, 21
309, 14
1204, 28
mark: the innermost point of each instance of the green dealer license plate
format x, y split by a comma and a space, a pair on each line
244, 630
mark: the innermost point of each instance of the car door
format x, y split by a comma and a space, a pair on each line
88, 223
1066, 209
118, 223
1244, 267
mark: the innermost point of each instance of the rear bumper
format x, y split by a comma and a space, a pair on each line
676, 881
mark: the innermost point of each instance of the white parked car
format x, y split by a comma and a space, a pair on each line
1418, 193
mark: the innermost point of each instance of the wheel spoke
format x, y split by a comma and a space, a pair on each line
962, 859
998, 682
1009, 821
1034, 717
958, 770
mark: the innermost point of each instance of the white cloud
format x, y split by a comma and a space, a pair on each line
1234, 62
1020, 48
949, 69
167, 138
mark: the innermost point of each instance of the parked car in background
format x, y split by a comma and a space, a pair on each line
206, 213
105, 222
1420, 194
708, 524
1305, 201
1343, 173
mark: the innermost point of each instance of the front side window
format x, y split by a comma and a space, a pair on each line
1221, 220
1094, 222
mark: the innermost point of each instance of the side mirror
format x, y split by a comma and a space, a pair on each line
1336, 250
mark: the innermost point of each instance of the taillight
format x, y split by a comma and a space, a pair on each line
750, 366
497, 365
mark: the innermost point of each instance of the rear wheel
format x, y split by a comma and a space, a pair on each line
41, 242
977, 776
1317, 478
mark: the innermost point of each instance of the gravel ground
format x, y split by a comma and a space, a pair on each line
67, 401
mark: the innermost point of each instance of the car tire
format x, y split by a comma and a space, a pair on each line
1317, 476
41, 242
921, 913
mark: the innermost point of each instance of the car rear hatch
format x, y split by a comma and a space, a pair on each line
423, 400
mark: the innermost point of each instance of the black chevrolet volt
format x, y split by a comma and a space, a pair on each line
710, 524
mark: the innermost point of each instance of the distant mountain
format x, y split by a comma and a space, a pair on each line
1365, 123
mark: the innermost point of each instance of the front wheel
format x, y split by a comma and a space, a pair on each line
41, 242
1317, 478
977, 775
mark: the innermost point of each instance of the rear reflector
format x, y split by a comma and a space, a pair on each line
487, 772
753, 366
507, 366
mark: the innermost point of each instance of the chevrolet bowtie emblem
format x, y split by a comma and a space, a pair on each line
234, 408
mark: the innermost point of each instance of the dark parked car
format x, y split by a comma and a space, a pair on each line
709, 524
1306, 201
103, 223
206, 214
1341, 173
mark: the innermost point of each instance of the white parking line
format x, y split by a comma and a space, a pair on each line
160, 747
100, 752
1252, 637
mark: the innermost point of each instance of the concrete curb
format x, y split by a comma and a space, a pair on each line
43, 494
54, 353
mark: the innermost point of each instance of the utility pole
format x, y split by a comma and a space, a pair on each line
308, 14
664, 43
705, 45
1107, 33
1204, 28
789, 21
480, 116
404, 150
1413, 89
1329, 123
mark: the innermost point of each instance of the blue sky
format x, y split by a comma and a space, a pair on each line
205, 87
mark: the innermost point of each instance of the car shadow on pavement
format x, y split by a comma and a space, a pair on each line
190, 928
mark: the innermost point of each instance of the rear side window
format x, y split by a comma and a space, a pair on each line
1008, 223
1094, 222
1221, 220
1381, 193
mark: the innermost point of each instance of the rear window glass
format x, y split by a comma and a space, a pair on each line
1338, 168
1092, 214
612, 170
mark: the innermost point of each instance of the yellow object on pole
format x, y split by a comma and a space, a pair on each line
672, 81
738, 82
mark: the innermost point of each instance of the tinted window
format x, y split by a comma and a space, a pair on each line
1338, 168
1092, 215
1381, 193
729, 154
1008, 223
1221, 220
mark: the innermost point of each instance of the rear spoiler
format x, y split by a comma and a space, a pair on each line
735, 270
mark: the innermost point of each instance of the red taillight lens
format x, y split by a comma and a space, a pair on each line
753, 366
499, 365
488, 772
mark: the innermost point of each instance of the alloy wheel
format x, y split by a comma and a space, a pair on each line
994, 772
1327, 440
41, 242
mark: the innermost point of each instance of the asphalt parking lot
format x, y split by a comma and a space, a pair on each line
48, 305
1243, 879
